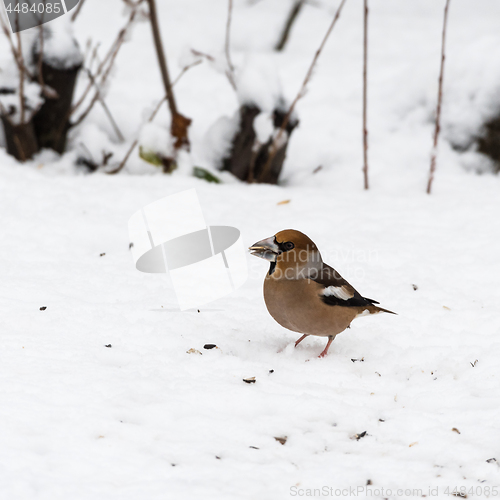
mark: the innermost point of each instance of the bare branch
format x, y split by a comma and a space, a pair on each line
151, 118
108, 60
98, 97
21, 77
203, 54
440, 98
179, 124
184, 70
15, 53
292, 16
77, 10
161, 57
230, 67
365, 64
93, 56
274, 146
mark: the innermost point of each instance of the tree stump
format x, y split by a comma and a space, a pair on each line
248, 159
489, 144
51, 122
20, 139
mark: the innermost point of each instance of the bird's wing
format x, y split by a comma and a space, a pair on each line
337, 291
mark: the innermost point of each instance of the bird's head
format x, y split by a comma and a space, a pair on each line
292, 254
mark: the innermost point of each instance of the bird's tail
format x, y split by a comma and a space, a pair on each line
376, 310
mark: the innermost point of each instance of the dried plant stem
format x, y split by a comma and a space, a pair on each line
105, 108
15, 53
184, 70
161, 57
365, 87
440, 98
151, 118
97, 95
276, 141
108, 60
208, 57
40, 57
230, 67
77, 10
21, 77
292, 16
179, 124
136, 141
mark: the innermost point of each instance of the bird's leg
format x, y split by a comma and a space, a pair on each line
300, 340
325, 351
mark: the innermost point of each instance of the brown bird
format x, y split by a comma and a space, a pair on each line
304, 294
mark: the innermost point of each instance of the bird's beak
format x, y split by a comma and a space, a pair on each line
265, 249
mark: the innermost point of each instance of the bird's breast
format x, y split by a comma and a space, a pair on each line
296, 305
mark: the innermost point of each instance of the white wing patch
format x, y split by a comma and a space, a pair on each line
341, 292
366, 312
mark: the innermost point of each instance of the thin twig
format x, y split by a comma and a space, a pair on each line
21, 77
40, 56
292, 16
94, 56
151, 118
13, 49
203, 54
365, 64
230, 67
440, 98
277, 138
111, 55
161, 58
184, 70
77, 11
97, 93
105, 107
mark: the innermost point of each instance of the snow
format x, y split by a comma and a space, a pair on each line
144, 418
156, 139
60, 49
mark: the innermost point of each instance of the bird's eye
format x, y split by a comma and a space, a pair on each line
288, 245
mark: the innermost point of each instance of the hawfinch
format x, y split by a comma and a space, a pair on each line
304, 294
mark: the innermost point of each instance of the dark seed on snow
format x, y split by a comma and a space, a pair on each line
209, 346
43, 308
108, 345
250, 380
102, 255
271, 371
254, 447
357, 437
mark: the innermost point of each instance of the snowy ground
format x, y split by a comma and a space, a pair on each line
143, 418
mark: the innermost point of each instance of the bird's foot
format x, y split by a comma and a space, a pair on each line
300, 340
325, 351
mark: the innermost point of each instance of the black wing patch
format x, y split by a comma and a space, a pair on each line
338, 291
